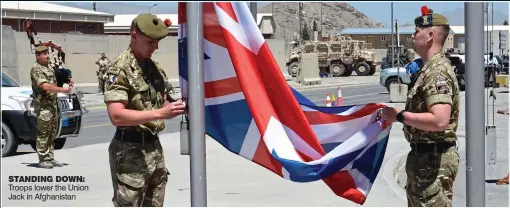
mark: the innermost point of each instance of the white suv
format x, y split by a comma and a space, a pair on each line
19, 120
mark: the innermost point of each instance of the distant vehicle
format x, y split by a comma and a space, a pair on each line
391, 75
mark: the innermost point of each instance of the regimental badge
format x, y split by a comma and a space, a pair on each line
425, 20
441, 84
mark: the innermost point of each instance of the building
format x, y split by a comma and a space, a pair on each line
498, 39
52, 18
122, 24
380, 38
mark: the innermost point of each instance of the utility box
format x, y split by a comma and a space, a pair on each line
398, 93
309, 69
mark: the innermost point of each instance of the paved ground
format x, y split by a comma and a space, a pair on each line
497, 195
98, 129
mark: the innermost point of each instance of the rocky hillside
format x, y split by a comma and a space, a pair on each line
335, 17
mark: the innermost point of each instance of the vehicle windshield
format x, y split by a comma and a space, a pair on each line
8, 82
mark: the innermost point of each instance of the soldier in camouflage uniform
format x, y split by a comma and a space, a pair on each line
430, 118
138, 101
102, 63
44, 87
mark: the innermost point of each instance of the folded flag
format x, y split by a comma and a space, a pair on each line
252, 111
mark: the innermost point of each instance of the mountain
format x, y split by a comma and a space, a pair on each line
335, 17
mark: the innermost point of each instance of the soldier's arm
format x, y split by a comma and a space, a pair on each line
437, 88
116, 99
38, 76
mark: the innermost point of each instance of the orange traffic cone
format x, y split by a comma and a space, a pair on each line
339, 99
328, 101
503, 181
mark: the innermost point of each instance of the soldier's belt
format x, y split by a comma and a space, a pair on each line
135, 137
431, 147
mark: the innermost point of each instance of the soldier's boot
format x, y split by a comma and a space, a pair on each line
57, 163
46, 165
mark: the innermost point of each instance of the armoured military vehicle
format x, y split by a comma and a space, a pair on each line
403, 57
338, 57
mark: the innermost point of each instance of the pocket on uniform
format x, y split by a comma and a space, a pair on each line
45, 115
130, 180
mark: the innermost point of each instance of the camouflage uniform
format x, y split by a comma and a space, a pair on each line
45, 106
432, 164
103, 63
138, 170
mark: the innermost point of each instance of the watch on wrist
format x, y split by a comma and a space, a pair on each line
400, 116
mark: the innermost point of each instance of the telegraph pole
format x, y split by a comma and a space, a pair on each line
194, 15
475, 142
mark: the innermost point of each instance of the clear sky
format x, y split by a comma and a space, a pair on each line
381, 11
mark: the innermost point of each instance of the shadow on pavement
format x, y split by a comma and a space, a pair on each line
36, 165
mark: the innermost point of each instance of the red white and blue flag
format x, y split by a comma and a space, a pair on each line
252, 111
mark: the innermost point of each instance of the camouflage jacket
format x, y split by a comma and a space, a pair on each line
103, 63
40, 74
127, 82
435, 83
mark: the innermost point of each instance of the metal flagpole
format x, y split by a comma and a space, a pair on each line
475, 166
194, 15
392, 39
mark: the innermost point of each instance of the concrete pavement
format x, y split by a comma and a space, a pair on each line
231, 179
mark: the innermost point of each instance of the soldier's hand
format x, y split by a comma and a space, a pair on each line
171, 110
68, 90
390, 114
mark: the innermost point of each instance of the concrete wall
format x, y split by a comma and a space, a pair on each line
82, 51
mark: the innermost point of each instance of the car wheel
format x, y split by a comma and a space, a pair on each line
57, 144
9, 145
391, 81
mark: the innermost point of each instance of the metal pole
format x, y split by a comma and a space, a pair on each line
398, 50
196, 104
253, 10
489, 74
392, 39
475, 166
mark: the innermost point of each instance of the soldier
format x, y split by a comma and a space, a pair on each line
45, 104
102, 63
138, 101
430, 117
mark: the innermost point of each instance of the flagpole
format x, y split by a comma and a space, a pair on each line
475, 166
194, 15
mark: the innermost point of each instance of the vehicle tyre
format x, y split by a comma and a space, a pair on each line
293, 69
362, 69
348, 71
372, 71
336, 69
390, 81
9, 145
57, 144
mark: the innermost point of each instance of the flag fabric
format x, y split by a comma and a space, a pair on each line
252, 111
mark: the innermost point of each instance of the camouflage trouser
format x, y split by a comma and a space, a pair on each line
100, 80
430, 178
46, 131
139, 175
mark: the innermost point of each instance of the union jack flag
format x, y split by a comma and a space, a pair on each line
252, 111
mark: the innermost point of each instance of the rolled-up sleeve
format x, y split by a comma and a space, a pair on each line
438, 87
116, 86
37, 75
